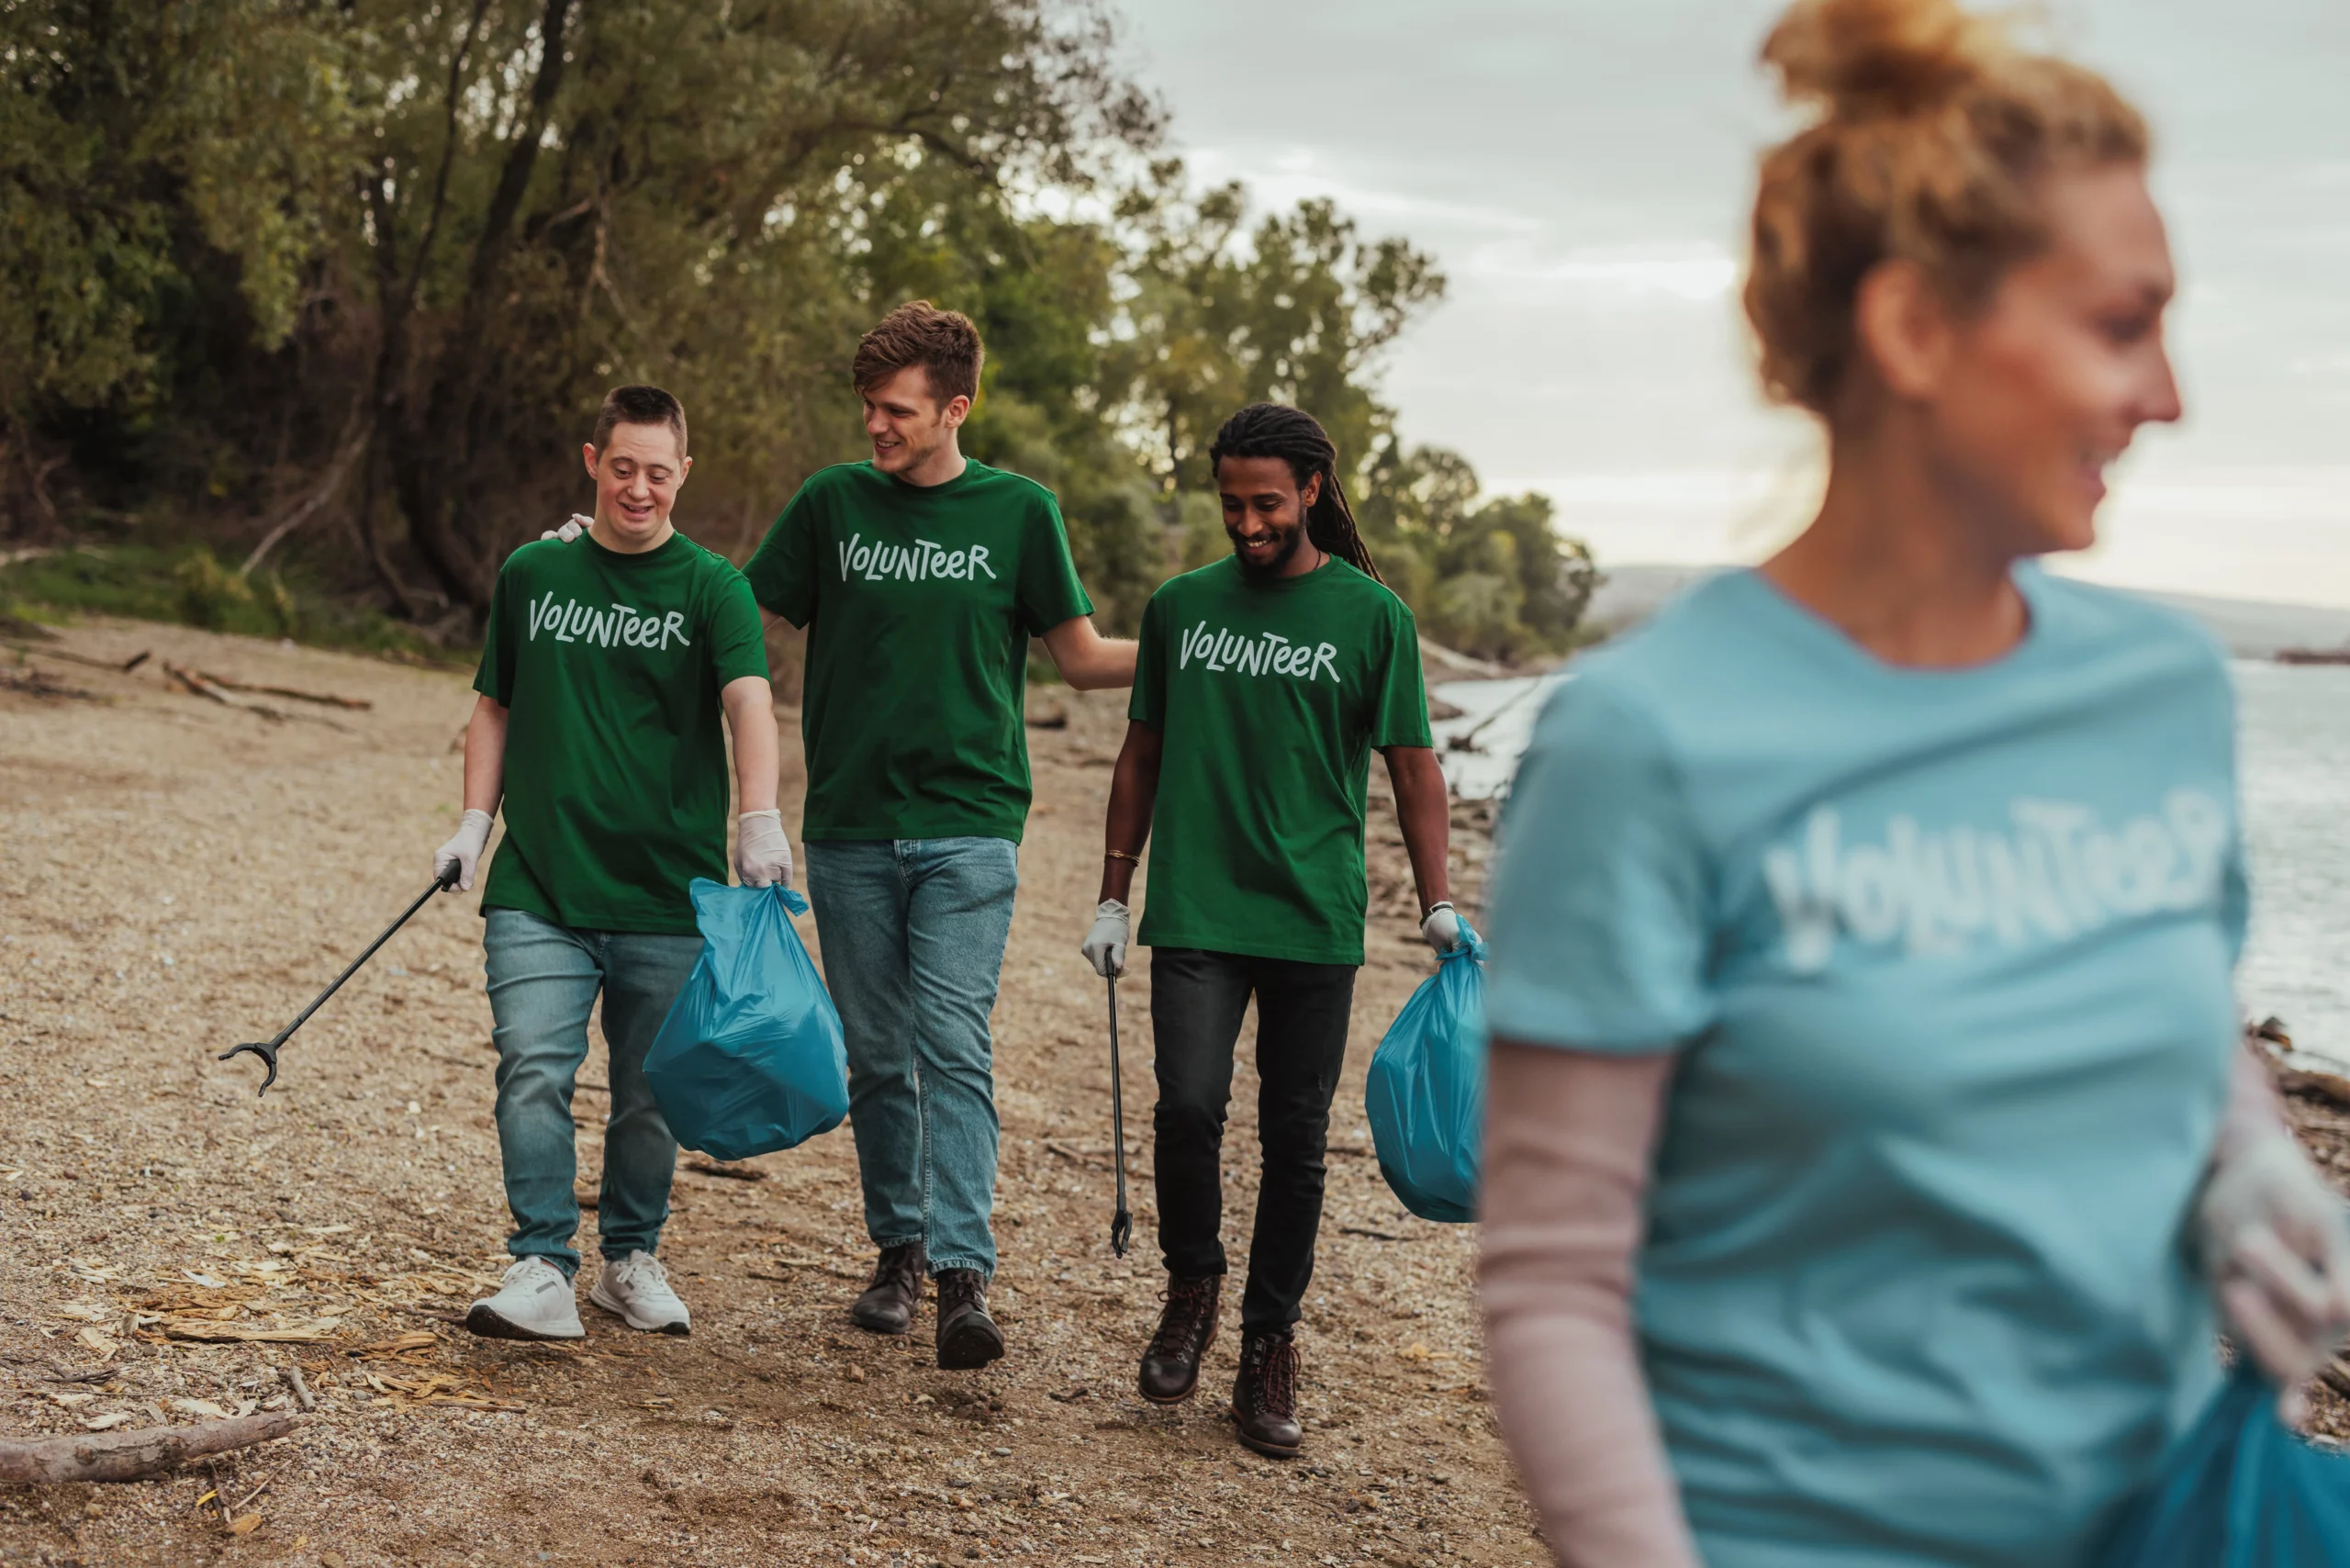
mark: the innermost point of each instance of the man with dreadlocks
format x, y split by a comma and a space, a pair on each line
1263, 684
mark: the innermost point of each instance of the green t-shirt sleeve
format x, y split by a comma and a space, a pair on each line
782, 571
1402, 716
1049, 591
495, 678
738, 646
1149, 704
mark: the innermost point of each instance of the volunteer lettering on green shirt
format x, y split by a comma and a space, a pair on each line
920, 601
1269, 696
616, 784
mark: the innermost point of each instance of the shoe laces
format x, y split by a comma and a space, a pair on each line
639, 1271
899, 1266
958, 1287
1190, 1312
1273, 1359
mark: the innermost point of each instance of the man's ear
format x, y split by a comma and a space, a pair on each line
1903, 327
958, 409
587, 454
1310, 492
685, 467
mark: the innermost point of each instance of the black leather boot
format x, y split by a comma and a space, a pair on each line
968, 1336
1170, 1367
888, 1304
1264, 1396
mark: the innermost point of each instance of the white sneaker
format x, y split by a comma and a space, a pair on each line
636, 1289
533, 1304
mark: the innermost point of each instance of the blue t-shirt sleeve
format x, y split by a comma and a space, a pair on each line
1600, 925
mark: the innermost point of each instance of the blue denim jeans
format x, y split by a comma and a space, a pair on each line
543, 983
912, 931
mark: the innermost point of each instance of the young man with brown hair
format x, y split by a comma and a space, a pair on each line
921, 576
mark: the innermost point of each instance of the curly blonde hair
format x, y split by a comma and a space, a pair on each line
1932, 137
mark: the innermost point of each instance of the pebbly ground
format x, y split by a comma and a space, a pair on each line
177, 876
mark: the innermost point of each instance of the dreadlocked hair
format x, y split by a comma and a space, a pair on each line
1276, 430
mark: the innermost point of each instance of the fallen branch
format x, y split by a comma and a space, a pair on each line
121, 667
35, 681
133, 1456
360, 704
198, 684
212, 1333
292, 1377
816, 1263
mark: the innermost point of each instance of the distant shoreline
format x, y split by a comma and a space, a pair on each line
2249, 628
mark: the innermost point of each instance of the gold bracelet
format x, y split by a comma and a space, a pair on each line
1121, 854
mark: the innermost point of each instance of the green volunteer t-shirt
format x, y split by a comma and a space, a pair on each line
1269, 699
919, 601
616, 783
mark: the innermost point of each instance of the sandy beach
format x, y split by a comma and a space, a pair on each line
177, 876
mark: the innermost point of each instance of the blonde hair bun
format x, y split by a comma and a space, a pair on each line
1860, 58
1933, 136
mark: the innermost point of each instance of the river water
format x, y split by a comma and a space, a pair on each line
2296, 765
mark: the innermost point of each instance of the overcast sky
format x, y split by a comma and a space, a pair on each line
1582, 171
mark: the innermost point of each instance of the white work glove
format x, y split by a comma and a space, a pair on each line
473, 836
2276, 1241
1440, 928
1105, 944
570, 531
762, 854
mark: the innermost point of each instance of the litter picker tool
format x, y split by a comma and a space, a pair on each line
268, 1052
1121, 1223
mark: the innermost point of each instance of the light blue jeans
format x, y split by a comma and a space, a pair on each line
543, 983
914, 932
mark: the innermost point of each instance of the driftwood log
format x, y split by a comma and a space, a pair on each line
133, 1456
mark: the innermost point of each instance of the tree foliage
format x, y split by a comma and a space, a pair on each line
353, 273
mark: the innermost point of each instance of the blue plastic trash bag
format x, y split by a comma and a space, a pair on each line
1426, 1097
749, 1059
2240, 1490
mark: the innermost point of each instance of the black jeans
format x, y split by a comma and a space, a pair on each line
1197, 1000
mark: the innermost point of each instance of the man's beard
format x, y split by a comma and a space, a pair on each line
1278, 563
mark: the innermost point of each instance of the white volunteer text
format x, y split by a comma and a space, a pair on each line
2060, 872
618, 627
876, 562
1267, 653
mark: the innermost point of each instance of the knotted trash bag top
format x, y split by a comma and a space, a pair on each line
749, 1059
1426, 1096
2240, 1490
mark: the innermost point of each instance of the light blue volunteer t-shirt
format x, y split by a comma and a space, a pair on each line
1947, 956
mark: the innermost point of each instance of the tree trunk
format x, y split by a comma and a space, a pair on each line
429, 455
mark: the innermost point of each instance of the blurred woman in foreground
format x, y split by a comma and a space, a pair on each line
1868, 1130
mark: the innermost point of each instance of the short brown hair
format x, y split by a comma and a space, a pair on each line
640, 405
944, 343
1934, 135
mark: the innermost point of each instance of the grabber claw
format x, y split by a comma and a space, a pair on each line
267, 1050
1122, 1221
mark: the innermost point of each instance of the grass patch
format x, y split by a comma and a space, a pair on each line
187, 586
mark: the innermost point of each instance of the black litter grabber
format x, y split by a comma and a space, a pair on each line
1121, 1223
268, 1052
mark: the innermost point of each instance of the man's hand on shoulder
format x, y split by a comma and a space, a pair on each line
569, 530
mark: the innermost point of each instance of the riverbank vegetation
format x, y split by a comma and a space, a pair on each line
331, 290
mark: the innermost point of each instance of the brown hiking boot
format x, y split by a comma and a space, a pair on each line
888, 1304
1264, 1396
968, 1336
1170, 1367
